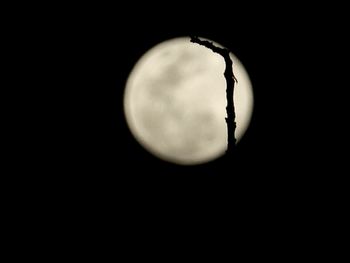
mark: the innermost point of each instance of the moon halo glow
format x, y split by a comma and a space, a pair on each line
175, 99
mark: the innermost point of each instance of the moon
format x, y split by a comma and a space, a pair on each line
175, 102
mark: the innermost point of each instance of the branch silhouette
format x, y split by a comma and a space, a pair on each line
230, 82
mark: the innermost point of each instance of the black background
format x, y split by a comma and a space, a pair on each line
87, 171
90, 56
98, 56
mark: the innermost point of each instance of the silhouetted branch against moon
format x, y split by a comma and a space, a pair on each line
230, 82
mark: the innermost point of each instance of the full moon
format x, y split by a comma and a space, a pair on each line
175, 102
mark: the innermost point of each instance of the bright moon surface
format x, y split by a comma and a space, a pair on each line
175, 102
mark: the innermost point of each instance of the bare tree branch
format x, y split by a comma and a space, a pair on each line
209, 45
230, 82
224, 52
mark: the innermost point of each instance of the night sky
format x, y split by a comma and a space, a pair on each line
86, 161
94, 57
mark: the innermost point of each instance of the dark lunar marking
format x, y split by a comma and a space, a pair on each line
186, 56
172, 75
150, 123
230, 82
159, 90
